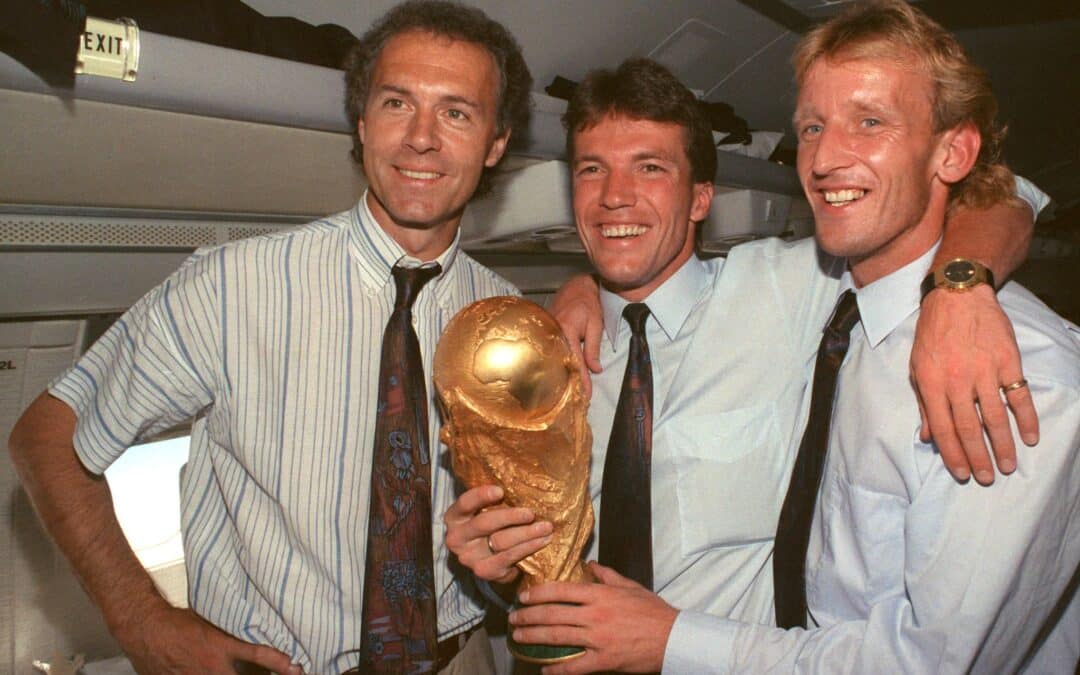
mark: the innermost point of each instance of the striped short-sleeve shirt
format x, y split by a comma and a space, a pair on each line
272, 345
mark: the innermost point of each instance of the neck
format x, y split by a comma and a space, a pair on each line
907, 246
423, 242
639, 293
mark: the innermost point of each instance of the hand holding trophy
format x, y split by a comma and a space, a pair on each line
514, 415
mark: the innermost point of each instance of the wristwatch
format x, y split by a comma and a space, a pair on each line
959, 274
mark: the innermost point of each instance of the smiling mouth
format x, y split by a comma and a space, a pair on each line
622, 231
843, 197
419, 175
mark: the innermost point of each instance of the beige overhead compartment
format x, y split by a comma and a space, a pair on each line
209, 144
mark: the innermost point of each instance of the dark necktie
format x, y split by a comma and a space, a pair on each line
797, 513
626, 502
399, 618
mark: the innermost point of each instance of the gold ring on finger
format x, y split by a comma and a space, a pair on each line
491, 546
1022, 382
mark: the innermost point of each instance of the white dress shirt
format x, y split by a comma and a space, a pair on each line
909, 571
273, 345
732, 344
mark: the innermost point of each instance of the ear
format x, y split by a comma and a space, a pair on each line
959, 149
360, 128
498, 147
702, 200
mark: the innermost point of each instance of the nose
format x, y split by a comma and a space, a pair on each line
618, 190
422, 133
831, 151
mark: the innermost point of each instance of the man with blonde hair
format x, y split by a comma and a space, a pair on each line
898, 567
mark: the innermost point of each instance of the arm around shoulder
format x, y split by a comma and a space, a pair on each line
965, 348
998, 236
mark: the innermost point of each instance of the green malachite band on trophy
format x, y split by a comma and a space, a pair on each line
543, 654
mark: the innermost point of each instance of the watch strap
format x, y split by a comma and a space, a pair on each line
936, 279
929, 283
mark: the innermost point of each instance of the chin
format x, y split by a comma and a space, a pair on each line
837, 239
833, 245
422, 219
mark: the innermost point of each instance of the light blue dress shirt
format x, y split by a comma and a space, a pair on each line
1030, 193
273, 345
732, 344
909, 571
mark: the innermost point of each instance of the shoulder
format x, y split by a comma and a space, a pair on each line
267, 253
792, 278
329, 229
1049, 344
486, 282
778, 256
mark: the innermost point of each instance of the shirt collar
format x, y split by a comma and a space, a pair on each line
377, 253
669, 305
887, 302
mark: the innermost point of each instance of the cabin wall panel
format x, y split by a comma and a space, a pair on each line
43, 610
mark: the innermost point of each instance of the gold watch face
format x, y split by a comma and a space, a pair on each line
959, 272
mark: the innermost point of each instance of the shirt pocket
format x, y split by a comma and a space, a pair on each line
862, 545
731, 468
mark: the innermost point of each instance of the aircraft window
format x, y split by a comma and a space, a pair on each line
145, 485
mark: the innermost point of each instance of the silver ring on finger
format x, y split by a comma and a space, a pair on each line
1022, 382
491, 546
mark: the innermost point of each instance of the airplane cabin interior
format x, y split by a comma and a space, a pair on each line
109, 181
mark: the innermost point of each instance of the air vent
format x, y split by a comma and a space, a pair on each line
236, 232
111, 232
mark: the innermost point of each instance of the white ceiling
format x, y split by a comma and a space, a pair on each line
736, 55
571, 37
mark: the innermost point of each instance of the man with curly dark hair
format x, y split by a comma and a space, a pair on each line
274, 346
451, 21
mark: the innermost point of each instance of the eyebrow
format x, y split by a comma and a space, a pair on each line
447, 98
805, 113
642, 156
866, 106
800, 116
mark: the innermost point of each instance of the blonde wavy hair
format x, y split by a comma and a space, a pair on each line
893, 29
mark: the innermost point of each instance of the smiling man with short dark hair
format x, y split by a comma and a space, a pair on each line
315, 477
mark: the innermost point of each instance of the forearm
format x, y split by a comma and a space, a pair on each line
702, 643
77, 511
889, 635
998, 237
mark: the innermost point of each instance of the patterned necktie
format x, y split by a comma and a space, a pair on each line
797, 514
399, 618
626, 502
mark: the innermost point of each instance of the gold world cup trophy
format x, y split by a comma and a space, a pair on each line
514, 415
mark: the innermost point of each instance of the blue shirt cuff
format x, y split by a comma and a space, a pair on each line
700, 643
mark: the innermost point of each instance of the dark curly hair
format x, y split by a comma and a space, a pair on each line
457, 22
641, 89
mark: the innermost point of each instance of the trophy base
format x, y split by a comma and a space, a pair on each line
543, 654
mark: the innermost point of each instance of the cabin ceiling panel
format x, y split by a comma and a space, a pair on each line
85, 153
748, 68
